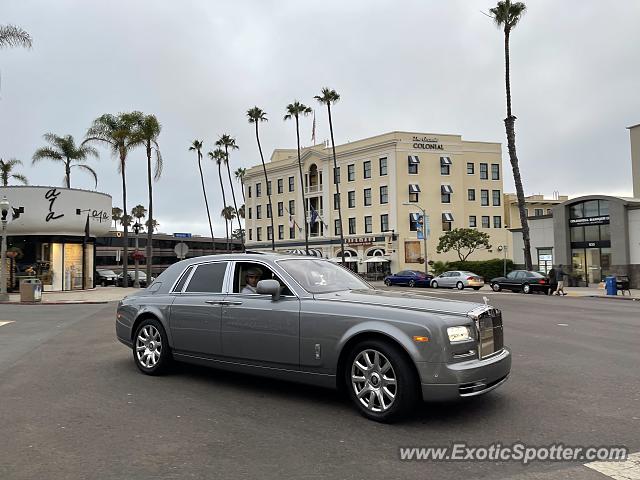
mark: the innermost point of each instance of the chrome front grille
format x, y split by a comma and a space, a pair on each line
490, 332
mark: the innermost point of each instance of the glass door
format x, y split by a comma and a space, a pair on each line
578, 265
594, 269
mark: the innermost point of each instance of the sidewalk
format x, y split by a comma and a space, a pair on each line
95, 295
600, 292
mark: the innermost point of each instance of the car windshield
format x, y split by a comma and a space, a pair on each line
535, 275
321, 276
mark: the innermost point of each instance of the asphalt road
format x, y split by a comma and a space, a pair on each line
73, 405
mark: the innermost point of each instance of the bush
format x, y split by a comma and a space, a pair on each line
487, 269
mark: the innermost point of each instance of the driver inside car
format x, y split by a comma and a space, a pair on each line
252, 277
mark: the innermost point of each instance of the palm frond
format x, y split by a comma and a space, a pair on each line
256, 114
46, 153
14, 36
159, 164
90, 170
21, 178
12, 162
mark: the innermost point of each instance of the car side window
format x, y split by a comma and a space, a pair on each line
247, 275
402, 273
511, 275
208, 278
521, 275
183, 279
455, 274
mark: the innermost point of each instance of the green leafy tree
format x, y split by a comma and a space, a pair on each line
237, 234
64, 150
229, 143
294, 111
6, 172
329, 97
463, 241
196, 146
507, 15
218, 156
257, 116
116, 216
13, 36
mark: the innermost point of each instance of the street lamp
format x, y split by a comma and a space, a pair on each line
136, 230
4, 211
424, 232
503, 249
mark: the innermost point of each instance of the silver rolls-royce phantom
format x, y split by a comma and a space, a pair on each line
308, 320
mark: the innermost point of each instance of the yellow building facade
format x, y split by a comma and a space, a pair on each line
384, 183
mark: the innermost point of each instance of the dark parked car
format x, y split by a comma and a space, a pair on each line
413, 278
522, 281
142, 278
308, 320
106, 277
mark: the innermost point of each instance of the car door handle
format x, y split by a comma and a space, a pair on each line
214, 302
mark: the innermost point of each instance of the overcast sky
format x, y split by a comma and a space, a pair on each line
428, 66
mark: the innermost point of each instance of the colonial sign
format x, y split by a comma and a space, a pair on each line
578, 222
360, 240
426, 143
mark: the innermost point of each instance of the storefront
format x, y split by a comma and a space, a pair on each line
53, 238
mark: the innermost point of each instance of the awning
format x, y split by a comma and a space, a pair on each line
413, 159
446, 189
346, 259
445, 160
313, 252
377, 259
413, 188
447, 217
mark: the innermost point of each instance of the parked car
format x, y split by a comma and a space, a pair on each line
413, 278
308, 320
106, 277
458, 279
142, 278
522, 281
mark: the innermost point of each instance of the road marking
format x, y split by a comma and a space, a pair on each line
563, 324
5, 322
627, 470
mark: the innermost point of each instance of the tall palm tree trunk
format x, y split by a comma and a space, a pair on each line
509, 123
266, 179
335, 168
206, 202
149, 249
304, 203
224, 203
67, 171
233, 194
125, 235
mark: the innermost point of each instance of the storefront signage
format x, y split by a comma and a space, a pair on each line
99, 216
426, 143
578, 222
52, 195
360, 240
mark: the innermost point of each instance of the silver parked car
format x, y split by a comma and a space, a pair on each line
458, 279
308, 320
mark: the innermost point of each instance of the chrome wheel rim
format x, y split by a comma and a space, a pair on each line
374, 381
460, 285
148, 346
496, 287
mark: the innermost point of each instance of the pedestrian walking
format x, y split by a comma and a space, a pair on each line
560, 279
553, 281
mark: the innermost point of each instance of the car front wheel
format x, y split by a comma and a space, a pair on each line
460, 286
434, 284
381, 381
151, 348
387, 282
526, 288
496, 287
412, 283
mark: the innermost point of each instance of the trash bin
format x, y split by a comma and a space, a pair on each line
31, 290
610, 285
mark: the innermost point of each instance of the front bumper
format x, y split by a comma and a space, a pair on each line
450, 381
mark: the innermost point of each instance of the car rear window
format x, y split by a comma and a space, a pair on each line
208, 278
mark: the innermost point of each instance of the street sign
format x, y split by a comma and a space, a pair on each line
182, 235
181, 250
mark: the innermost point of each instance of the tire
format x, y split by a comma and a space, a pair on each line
396, 402
496, 287
434, 284
526, 289
460, 286
150, 340
412, 283
387, 282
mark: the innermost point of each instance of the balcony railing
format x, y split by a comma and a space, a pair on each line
313, 189
320, 215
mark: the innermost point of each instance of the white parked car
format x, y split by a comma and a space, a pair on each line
458, 279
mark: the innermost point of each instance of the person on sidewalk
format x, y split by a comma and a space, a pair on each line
553, 282
560, 279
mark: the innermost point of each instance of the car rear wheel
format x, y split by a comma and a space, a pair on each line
496, 287
526, 288
151, 348
381, 381
387, 282
460, 286
434, 284
412, 283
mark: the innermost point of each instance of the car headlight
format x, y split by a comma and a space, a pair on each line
459, 334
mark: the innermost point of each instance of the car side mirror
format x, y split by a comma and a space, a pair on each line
269, 287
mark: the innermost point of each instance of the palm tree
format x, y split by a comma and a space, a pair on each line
154, 224
219, 156
294, 110
257, 115
64, 150
240, 173
507, 15
228, 213
327, 98
196, 146
241, 211
148, 131
139, 212
13, 36
6, 169
229, 143
119, 133
116, 216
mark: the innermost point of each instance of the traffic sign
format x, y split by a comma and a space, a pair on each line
181, 250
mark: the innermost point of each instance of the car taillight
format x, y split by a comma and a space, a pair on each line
542, 282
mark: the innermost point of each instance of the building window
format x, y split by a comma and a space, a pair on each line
269, 187
384, 222
445, 165
446, 226
259, 234
258, 189
484, 198
249, 213
495, 171
445, 198
280, 185
352, 226
291, 184
472, 221
292, 232
269, 213
470, 168
351, 173
336, 201
250, 234
249, 191
269, 233
485, 221
292, 207
351, 199
258, 212
384, 194
496, 197
538, 212
367, 197
280, 209
280, 232
367, 169
484, 171
447, 220
336, 227
383, 166
368, 224
471, 194
497, 221
414, 219
414, 161
336, 175
414, 190
548, 211
445, 193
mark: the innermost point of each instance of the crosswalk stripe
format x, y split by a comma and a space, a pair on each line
5, 322
627, 470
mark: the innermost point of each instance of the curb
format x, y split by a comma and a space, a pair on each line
617, 297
